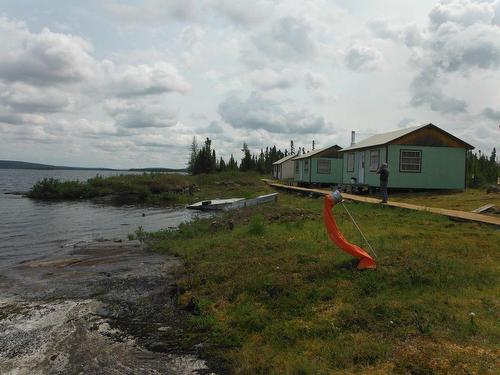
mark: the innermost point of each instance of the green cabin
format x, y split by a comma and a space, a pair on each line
319, 167
422, 157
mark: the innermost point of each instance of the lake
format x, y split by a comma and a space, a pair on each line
31, 229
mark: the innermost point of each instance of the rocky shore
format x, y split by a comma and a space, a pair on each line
105, 308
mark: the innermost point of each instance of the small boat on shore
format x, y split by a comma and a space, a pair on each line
232, 203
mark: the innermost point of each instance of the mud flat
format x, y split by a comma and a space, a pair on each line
103, 308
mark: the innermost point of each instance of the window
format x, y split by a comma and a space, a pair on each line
324, 166
350, 162
374, 159
410, 161
306, 166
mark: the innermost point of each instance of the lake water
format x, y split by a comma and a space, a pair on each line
34, 230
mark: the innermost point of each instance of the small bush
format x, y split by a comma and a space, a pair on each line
257, 225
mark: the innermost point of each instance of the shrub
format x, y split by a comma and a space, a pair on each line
257, 226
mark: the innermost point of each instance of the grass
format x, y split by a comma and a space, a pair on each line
457, 200
152, 188
274, 296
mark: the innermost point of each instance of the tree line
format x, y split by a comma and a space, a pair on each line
482, 169
203, 159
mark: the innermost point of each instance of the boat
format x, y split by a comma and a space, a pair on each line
232, 203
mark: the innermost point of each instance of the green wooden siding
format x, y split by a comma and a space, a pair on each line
442, 168
312, 175
335, 175
370, 178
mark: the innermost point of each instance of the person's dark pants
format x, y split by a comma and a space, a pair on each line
383, 191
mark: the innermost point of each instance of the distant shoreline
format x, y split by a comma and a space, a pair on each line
11, 164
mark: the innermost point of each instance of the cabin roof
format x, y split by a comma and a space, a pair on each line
286, 158
384, 138
316, 152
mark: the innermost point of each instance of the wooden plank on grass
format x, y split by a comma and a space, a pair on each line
486, 207
469, 216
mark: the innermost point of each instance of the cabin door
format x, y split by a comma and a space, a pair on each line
361, 169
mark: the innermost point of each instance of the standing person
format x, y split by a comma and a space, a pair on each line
384, 178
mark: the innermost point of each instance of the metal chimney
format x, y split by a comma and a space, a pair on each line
353, 138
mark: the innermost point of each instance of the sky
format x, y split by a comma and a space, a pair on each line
128, 84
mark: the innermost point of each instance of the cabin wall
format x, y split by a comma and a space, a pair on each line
299, 170
335, 175
287, 170
441, 168
369, 176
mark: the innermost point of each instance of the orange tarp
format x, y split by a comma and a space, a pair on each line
337, 237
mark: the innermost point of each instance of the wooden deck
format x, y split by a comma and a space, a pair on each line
463, 215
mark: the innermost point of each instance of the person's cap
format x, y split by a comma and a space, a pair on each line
384, 165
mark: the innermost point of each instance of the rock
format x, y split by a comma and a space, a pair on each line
164, 329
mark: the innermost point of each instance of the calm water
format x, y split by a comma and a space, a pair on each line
43, 230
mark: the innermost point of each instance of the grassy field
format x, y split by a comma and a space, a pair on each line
457, 200
274, 296
153, 188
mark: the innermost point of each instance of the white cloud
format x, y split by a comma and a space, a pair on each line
143, 79
268, 79
44, 58
462, 12
363, 58
257, 112
139, 114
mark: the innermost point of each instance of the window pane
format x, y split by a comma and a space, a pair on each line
410, 161
324, 166
374, 160
350, 162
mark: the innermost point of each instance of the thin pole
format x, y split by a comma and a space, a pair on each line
359, 229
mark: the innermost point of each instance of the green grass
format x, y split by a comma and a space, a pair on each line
153, 188
457, 200
274, 296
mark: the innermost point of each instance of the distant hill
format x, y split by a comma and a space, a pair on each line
11, 164
181, 170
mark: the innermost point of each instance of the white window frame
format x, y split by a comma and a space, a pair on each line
326, 168
410, 161
350, 161
374, 165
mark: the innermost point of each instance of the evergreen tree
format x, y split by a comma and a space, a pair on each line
192, 156
247, 162
222, 165
232, 164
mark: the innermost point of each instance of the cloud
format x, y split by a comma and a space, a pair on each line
426, 92
314, 81
462, 36
268, 79
491, 114
137, 115
153, 12
259, 113
243, 12
141, 80
410, 34
44, 58
288, 38
23, 98
462, 12
363, 58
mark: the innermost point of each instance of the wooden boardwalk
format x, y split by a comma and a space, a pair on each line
463, 215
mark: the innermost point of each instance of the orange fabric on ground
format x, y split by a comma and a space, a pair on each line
337, 237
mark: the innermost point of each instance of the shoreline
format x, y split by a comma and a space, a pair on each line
104, 305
